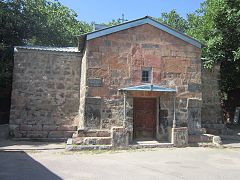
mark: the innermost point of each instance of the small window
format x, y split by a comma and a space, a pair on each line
146, 74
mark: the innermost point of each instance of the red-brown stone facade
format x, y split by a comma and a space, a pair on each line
116, 60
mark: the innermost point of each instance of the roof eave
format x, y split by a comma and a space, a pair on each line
141, 21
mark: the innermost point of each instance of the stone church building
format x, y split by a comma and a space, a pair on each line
140, 80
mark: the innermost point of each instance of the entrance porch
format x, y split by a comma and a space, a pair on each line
149, 113
147, 120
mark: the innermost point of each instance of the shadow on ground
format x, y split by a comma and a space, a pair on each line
11, 145
19, 165
230, 141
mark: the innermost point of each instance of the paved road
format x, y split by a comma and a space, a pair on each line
177, 163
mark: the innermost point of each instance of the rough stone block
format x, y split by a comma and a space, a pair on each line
107, 43
150, 46
217, 140
37, 134
194, 87
37, 128
207, 138
14, 127
60, 86
92, 140
16, 133
194, 103
50, 127
180, 136
24, 127
93, 100
120, 137
67, 128
60, 134
194, 120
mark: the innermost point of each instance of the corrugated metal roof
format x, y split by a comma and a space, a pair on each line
48, 48
149, 87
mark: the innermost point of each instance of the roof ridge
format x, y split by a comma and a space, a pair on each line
144, 20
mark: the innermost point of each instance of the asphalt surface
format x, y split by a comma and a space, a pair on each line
28, 160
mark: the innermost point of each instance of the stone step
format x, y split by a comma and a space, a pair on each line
87, 147
200, 138
92, 140
71, 146
149, 144
92, 133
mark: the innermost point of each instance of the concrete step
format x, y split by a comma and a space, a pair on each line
92, 133
91, 140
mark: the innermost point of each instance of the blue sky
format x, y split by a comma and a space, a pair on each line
100, 11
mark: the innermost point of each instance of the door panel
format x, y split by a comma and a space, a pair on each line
144, 120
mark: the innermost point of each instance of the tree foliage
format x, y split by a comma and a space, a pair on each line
31, 22
39, 22
174, 20
217, 25
114, 22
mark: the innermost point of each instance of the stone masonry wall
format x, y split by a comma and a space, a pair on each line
115, 61
83, 89
211, 109
45, 94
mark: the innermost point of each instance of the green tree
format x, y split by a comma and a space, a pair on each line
114, 22
31, 22
174, 20
217, 25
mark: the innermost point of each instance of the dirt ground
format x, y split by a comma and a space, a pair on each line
42, 160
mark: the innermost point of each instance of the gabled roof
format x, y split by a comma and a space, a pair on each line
148, 87
138, 22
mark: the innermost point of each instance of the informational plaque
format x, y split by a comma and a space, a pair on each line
94, 82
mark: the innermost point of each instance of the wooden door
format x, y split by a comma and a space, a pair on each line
144, 118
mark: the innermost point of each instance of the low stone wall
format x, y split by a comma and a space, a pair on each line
200, 138
212, 116
205, 138
45, 94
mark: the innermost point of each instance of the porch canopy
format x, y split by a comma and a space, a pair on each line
148, 87
151, 88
